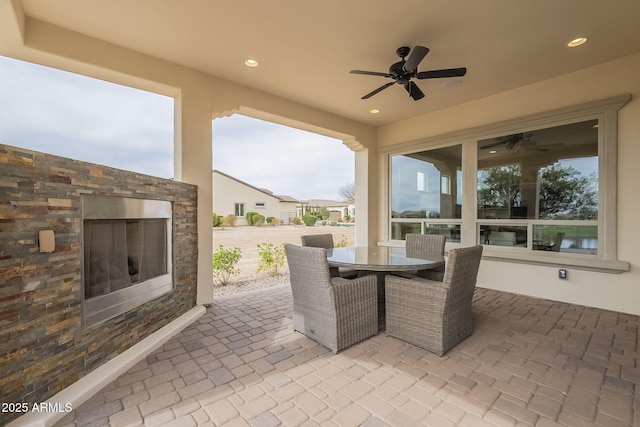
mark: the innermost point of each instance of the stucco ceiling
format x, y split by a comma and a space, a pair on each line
306, 48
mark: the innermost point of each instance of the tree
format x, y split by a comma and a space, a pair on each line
499, 186
564, 193
348, 192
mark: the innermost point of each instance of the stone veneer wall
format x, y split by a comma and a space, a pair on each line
43, 346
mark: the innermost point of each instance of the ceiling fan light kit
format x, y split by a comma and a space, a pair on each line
404, 70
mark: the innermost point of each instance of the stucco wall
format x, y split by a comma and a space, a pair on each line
620, 292
199, 99
43, 345
227, 192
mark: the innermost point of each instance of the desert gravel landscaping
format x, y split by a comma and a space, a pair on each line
247, 238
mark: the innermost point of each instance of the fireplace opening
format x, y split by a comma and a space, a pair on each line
127, 254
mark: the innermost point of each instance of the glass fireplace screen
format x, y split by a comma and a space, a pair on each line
127, 254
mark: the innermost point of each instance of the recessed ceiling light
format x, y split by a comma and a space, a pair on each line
374, 111
492, 152
251, 63
577, 42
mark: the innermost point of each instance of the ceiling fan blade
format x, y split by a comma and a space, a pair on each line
414, 91
513, 140
508, 141
495, 144
417, 55
380, 89
370, 73
438, 74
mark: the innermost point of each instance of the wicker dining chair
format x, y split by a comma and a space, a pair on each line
335, 312
318, 240
430, 314
326, 241
423, 246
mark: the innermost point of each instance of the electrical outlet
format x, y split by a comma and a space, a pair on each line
562, 274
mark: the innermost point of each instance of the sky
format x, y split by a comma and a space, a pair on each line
286, 161
82, 118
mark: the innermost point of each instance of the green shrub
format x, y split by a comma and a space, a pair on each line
269, 219
342, 243
296, 221
216, 220
224, 264
229, 220
323, 213
272, 258
309, 219
257, 220
249, 216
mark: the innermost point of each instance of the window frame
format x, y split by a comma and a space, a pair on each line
236, 210
605, 111
424, 222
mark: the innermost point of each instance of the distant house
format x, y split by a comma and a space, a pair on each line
233, 196
338, 210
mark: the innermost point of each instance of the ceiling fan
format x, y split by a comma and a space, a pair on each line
519, 140
403, 71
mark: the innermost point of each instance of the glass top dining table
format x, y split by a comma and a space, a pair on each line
380, 258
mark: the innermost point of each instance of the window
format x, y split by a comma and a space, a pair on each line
239, 209
426, 194
538, 189
261, 205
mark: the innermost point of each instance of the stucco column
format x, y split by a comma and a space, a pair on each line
192, 163
366, 174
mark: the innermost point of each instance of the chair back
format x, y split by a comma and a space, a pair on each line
308, 268
558, 242
318, 240
461, 273
421, 245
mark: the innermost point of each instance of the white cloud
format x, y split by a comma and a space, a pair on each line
57, 112
60, 113
283, 160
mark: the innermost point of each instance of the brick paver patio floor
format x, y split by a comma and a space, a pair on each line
530, 362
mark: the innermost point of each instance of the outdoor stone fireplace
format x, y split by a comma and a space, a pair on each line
46, 341
126, 254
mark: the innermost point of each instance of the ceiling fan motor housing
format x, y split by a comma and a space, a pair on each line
398, 73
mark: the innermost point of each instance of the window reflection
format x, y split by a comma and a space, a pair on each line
399, 230
427, 184
503, 235
548, 176
549, 173
581, 239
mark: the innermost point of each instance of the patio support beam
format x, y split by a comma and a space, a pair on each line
193, 164
366, 205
